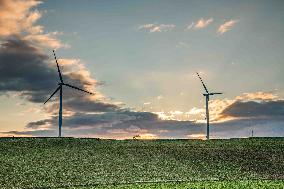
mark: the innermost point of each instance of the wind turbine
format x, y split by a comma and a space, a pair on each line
207, 94
59, 88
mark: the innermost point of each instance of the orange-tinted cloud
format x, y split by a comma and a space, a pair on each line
197, 136
257, 96
227, 26
45, 40
245, 105
16, 17
153, 28
202, 23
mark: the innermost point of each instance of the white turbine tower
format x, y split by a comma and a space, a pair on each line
59, 88
207, 94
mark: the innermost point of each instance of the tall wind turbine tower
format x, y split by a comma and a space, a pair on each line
207, 94
60, 89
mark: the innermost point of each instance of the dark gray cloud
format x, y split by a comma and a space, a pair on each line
82, 103
38, 133
26, 69
265, 117
242, 128
162, 129
124, 124
37, 124
112, 128
112, 119
255, 109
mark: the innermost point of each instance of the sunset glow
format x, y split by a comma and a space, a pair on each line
140, 59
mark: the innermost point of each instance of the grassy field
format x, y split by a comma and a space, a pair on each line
255, 184
83, 163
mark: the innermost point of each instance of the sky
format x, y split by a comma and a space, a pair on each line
140, 58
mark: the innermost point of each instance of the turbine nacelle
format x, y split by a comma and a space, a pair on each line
208, 94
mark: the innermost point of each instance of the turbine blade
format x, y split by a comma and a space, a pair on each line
77, 88
52, 94
60, 76
202, 82
215, 93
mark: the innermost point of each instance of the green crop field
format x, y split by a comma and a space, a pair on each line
90, 163
256, 184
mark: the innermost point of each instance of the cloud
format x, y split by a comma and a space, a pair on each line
190, 26
264, 117
199, 24
197, 136
146, 26
116, 124
153, 28
148, 136
40, 133
173, 115
24, 68
160, 97
247, 106
182, 44
45, 40
27, 70
242, 128
147, 103
227, 26
106, 119
217, 108
195, 111
167, 129
258, 96
251, 109
203, 23
16, 17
